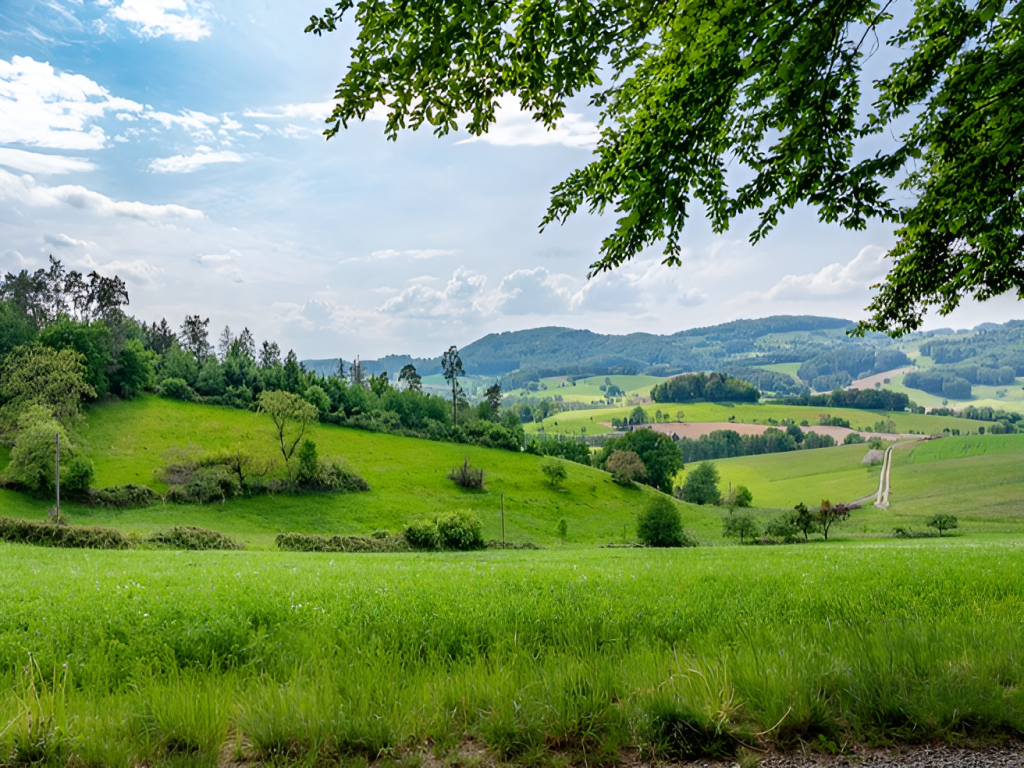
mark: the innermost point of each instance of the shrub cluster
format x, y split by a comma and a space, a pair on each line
459, 531
660, 525
467, 476
121, 496
190, 537
495, 544
47, 534
305, 542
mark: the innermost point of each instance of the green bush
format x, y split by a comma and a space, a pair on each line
177, 389
460, 531
853, 438
660, 525
50, 535
423, 534
554, 470
205, 484
121, 496
190, 537
740, 526
76, 475
783, 528
304, 542
308, 470
701, 485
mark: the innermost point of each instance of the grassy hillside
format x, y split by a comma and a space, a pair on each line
782, 480
978, 479
1009, 397
130, 441
589, 389
790, 368
570, 422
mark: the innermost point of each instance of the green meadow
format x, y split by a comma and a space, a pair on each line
589, 389
571, 422
782, 480
180, 658
130, 442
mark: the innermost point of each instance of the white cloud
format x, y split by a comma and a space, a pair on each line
182, 19
188, 163
317, 110
834, 280
533, 291
222, 264
34, 162
636, 288
41, 108
140, 269
426, 253
25, 189
462, 295
63, 241
196, 122
513, 128
13, 260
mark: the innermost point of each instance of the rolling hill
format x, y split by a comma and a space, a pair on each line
129, 442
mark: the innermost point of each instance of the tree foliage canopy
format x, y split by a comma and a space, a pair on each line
740, 107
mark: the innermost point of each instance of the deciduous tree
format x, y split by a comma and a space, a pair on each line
291, 415
739, 108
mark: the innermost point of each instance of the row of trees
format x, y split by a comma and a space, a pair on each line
861, 399
710, 387
726, 443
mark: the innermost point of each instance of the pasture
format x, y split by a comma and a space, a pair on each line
176, 658
129, 442
571, 422
588, 390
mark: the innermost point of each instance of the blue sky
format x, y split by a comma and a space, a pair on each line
177, 143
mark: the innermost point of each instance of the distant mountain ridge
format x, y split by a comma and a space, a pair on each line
556, 351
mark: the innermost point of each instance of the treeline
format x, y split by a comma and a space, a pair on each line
727, 443
863, 399
65, 340
992, 347
780, 384
709, 387
839, 367
955, 382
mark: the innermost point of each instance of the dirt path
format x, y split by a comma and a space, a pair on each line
882, 498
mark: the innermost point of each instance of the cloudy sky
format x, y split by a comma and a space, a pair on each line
177, 143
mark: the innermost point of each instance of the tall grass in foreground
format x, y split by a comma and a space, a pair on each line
185, 658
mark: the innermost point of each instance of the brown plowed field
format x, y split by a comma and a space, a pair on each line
695, 429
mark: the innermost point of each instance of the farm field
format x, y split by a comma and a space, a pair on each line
782, 480
978, 479
181, 658
129, 442
790, 368
1009, 397
570, 422
589, 389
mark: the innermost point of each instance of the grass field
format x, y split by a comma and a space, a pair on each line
129, 441
782, 480
790, 368
148, 658
589, 389
978, 479
1009, 397
571, 422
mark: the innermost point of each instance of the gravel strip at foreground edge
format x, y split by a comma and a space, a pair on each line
995, 756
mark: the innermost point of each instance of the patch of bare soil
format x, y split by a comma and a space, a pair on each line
868, 382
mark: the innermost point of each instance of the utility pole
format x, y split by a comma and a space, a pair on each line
502, 520
57, 475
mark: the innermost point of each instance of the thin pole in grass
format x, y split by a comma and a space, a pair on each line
502, 520
57, 475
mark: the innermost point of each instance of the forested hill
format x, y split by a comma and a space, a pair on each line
556, 351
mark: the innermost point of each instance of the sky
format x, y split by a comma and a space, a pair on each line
177, 143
